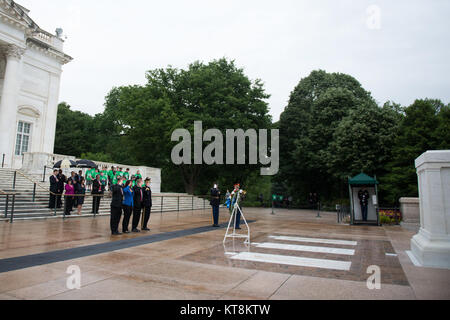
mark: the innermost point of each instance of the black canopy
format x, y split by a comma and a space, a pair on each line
73, 164
86, 164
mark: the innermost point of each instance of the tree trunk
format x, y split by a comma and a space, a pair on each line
190, 176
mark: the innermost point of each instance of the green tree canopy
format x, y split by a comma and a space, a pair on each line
218, 93
424, 127
310, 132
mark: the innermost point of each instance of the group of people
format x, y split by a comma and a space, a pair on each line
109, 177
74, 188
131, 199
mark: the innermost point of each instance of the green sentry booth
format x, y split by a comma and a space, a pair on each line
355, 184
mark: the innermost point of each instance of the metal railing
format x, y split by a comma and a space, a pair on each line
7, 195
343, 212
35, 184
62, 198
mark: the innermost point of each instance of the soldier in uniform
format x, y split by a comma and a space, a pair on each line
215, 203
116, 206
363, 196
147, 203
138, 197
234, 196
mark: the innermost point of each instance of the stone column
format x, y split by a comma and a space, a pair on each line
410, 209
431, 246
8, 103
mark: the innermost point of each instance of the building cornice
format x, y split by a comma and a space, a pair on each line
35, 37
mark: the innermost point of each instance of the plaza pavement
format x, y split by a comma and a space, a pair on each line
181, 259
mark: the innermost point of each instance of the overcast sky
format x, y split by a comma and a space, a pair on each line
402, 56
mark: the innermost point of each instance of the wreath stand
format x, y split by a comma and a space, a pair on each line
233, 220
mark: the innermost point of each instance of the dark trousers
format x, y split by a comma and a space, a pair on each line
68, 205
52, 201
238, 218
364, 209
136, 217
116, 213
127, 210
215, 214
147, 212
95, 204
59, 200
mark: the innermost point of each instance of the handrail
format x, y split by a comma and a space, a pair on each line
7, 193
31, 180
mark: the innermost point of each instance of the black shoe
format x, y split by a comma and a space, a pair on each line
136, 230
216, 226
238, 228
126, 231
116, 233
145, 229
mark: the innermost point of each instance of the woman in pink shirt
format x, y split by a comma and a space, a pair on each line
70, 191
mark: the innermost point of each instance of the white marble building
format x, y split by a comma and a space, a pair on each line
31, 61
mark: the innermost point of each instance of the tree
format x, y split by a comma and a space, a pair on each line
424, 127
73, 131
307, 129
218, 93
363, 141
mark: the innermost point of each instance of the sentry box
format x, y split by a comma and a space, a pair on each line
355, 185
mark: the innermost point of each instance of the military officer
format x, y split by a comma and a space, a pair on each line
215, 203
147, 204
234, 196
116, 206
363, 196
138, 197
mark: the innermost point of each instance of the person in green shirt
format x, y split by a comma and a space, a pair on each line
138, 175
114, 179
89, 178
119, 173
126, 174
95, 174
103, 180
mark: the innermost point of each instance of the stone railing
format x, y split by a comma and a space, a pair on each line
410, 208
49, 39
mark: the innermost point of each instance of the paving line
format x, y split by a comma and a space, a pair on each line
293, 261
315, 240
291, 247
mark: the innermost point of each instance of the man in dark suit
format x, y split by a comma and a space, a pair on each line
147, 204
61, 181
215, 203
97, 191
53, 189
138, 198
116, 206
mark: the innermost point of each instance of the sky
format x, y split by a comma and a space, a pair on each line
398, 50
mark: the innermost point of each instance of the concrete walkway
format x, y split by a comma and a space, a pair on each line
294, 255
